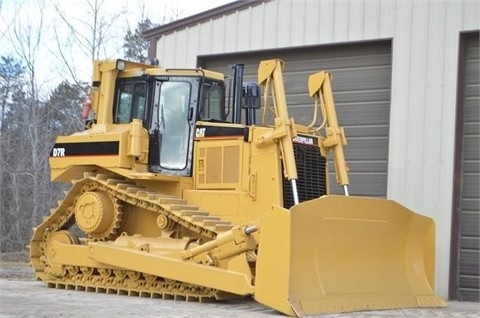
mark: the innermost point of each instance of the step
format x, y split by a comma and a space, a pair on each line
116, 181
144, 193
171, 200
200, 218
134, 190
103, 177
123, 186
89, 174
223, 227
180, 207
216, 222
192, 213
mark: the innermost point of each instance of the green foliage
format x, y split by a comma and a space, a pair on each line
135, 46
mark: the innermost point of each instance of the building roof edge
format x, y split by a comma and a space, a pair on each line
157, 32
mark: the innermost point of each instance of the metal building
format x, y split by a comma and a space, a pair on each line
406, 83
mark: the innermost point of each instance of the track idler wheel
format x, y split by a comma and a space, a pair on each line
63, 237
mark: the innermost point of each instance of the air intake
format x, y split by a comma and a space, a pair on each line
311, 183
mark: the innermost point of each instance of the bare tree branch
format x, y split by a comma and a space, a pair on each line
65, 61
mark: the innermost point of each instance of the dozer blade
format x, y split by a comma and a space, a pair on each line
340, 254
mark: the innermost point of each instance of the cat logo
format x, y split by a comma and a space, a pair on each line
304, 140
200, 132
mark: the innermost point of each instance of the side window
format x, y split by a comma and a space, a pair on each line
212, 102
131, 102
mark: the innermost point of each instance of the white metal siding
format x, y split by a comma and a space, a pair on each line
424, 63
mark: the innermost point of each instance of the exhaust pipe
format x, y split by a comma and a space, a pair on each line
245, 96
237, 93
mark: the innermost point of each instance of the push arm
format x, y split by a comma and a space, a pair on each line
270, 76
320, 88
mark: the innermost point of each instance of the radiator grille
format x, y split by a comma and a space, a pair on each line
311, 181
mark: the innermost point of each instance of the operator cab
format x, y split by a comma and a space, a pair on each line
169, 106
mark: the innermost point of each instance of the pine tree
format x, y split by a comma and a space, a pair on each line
135, 46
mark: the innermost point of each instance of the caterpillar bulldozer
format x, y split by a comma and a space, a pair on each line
171, 200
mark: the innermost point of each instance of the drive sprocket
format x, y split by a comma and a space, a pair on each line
98, 214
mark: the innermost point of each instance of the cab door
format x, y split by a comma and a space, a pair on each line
172, 125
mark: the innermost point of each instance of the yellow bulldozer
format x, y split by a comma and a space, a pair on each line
178, 194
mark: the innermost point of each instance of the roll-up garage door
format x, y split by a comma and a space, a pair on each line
466, 219
361, 84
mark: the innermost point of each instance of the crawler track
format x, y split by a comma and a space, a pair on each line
117, 281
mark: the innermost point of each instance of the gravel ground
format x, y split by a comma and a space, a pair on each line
14, 266
22, 296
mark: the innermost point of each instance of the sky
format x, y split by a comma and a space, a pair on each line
38, 30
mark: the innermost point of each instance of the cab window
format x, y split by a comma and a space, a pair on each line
212, 107
131, 102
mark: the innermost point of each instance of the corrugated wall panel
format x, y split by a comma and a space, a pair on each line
231, 32
431, 116
356, 17
414, 156
340, 20
284, 27
208, 39
387, 17
254, 39
471, 15
326, 21
182, 43
298, 27
218, 39
312, 22
371, 19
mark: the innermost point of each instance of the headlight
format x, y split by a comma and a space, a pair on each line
120, 65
